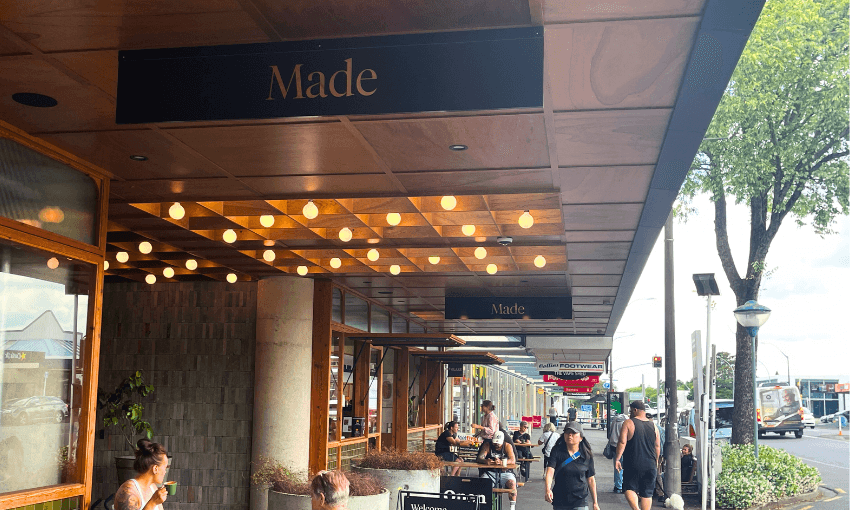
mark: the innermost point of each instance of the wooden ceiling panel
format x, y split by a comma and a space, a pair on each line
594, 291
629, 64
498, 141
281, 149
303, 19
598, 251
590, 236
191, 189
9, 47
602, 216
637, 136
558, 11
601, 280
299, 186
596, 185
597, 266
479, 181
100, 68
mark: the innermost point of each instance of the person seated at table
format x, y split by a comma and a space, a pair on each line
447, 440
492, 454
523, 452
689, 463
329, 490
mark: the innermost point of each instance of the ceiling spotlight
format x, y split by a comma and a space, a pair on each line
395, 269
168, 272
122, 257
176, 211
302, 270
373, 241
151, 279
229, 236
448, 202
345, 234
480, 252
52, 262
393, 218
458, 147
268, 242
267, 220
526, 220
268, 255
434, 260
106, 265
491, 268
310, 210
191, 264
468, 230
35, 100
336, 263
540, 261
373, 255
138, 157
145, 247
231, 277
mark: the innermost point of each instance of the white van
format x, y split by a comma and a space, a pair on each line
779, 410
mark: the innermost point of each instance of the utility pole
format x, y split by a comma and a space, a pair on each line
673, 472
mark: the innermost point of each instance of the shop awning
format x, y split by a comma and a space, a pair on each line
463, 357
409, 339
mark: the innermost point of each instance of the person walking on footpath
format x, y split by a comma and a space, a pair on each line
639, 443
571, 413
613, 439
548, 439
571, 468
553, 414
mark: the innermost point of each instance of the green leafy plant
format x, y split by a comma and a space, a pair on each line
122, 408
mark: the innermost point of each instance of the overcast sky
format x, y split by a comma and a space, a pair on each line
807, 294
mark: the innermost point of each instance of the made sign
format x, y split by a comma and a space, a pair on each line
444, 71
509, 307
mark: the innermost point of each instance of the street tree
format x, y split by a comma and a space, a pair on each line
779, 144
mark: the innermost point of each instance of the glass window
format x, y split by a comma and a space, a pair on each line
356, 312
47, 194
333, 416
336, 306
349, 427
380, 320
43, 318
374, 387
399, 324
415, 327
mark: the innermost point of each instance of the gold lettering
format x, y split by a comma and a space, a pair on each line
360, 78
497, 311
522, 309
332, 81
321, 85
296, 73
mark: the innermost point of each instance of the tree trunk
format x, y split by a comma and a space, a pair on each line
742, 414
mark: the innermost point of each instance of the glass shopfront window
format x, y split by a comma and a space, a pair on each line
334, 394
44, 301
356, 312
415, 327
374, 388
380, 320
399, 324
336, 306
349, 378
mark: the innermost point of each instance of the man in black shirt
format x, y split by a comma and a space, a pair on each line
523, 452
497, 454
639, 443
689, 463
571, 413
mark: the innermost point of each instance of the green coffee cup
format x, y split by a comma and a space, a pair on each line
171, 487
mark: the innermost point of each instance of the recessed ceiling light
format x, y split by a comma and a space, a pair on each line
385, 292
34, 100
268, 242
458, 147
373, 241
138, 157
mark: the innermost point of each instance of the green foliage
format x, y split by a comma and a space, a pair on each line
777, 474
123, 409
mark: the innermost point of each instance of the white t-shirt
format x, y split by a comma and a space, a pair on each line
549, 439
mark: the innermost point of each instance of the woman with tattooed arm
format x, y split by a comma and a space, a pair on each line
141, 493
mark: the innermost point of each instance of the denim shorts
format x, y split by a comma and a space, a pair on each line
570, 508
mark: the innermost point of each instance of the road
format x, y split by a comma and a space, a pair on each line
823, 449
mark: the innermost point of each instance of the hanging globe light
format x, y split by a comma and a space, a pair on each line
540, 261
336, 263
526, 220
176, 211
345, 234
145, 247
229, 236
268, 255
168, 272
302, 270
106, 265
267, 220
122, 257
310, 210
191, 264
373, 255
393, 218
52, 262
150, 279
231, 278
468, 230
395, 269
491, 268
448, 202
480, 252
434, 260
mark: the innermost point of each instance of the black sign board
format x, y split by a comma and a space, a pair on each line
481, 487
430, 501
445, 71
509, 307
455, 370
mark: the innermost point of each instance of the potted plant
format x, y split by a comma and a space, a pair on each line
416, 471
122, 409
291, 491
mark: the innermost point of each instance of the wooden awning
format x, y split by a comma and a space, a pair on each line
409, 339
462, 357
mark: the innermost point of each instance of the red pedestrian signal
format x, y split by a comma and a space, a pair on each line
656, 362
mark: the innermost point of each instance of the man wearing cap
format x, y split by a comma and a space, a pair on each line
639, 442
498, 453
570, 467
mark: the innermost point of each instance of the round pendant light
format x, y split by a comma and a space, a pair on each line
345, 234
268, 255
191, 264
468, 230
229, 236
302, 270
336, 263
540, 261
373, 255
395, 269
491, 268
52, 262
526, 220
176, 211
145, 247
393, 218
448, 202
106, 265
267, 220
310, 210
122, 257
480, 252
168, 272
434, 260
150, 279
231, 277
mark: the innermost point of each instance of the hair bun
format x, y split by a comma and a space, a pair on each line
145, 445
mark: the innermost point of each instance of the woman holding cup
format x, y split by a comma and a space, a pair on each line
144, 492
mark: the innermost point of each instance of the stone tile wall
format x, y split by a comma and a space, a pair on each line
194, 342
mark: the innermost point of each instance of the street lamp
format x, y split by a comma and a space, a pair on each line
707, 286
752, 316
787, 362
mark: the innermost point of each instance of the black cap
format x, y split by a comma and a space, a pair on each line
637, 404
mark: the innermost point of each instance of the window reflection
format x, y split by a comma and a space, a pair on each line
333, 417
43, 317
374, 386
356, 312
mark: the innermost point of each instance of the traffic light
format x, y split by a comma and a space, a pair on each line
656, 362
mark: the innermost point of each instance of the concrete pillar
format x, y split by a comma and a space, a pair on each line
282, 375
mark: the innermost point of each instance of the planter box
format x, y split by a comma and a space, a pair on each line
395, 480
281, 501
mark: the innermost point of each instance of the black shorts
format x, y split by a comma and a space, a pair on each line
640, 481
448, 456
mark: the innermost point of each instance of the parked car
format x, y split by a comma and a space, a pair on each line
688, 418
24, 411
808, 418
827, 418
